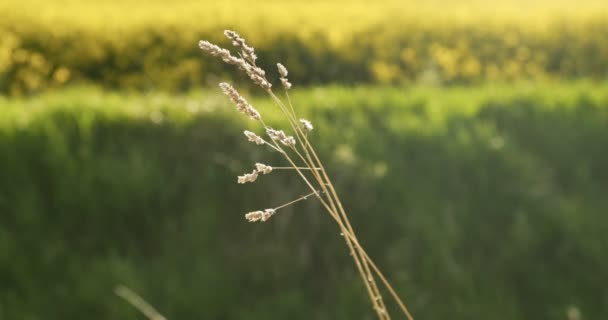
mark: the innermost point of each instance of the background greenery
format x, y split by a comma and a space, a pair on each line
468, 140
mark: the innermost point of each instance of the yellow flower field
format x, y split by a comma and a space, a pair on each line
152, 44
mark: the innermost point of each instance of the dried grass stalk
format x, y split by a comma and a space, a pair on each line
301, 157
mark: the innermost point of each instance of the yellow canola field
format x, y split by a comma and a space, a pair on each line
152, 44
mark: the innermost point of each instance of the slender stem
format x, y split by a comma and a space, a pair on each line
335, 215
303, 142
292, 168
278, 147
306, 145
367, 276
138, 302
270, 145
289, 103
304, 197
349, 227
382, 277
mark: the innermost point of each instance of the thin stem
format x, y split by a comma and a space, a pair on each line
382, 278
304, 197
138, 302
303, 142
349, 228
366, 275
333, 197
335, 215
292, 168
270, 145
278, 147
306, 145
289, 103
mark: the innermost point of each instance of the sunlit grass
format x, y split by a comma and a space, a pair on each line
466, 100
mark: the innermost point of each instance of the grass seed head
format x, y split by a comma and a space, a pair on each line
279, 135
283, 73
248, 177
254, 137
282, 70
241, 104
213, 50
286, 83
306, 125
237, 41
245, 64
262, 168
259, 215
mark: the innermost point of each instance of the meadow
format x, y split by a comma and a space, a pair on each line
468, 140
479, 202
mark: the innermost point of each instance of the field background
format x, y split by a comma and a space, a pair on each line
148, 45
468, 139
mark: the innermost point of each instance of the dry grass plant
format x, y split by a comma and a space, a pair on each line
302, 158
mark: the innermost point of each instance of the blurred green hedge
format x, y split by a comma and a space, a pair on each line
479, 203
37, 55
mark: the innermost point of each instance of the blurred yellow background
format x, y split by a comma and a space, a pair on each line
152, 44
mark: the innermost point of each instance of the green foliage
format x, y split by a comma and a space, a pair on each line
480, 203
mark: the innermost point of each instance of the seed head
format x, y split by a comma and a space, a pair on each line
248, 177
212, 49
254, 137
259, 215
286, 83
279, 135
275, 134
306, 125
237, 41
289, 141
262, 168
282, 70
256, 74
241, 104
283, 73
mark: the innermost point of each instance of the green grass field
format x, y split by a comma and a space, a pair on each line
478, 202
